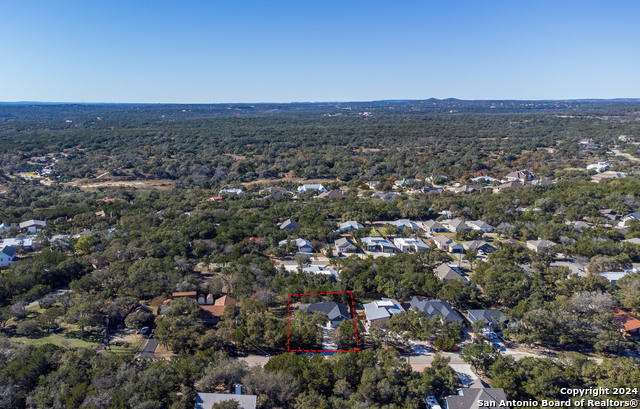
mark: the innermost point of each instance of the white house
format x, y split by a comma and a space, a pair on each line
33, 226
631, 216
3, 227
306, 188
614, 276
405, 181
600, 166
232, 191
206, 400
8, 256
410, 244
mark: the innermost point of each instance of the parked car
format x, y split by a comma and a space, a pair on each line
144, 330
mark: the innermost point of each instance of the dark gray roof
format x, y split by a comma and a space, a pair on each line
9, 251
331, 309
487, 315
436, 307
469, 398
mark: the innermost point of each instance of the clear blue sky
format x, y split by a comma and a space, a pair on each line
285, 51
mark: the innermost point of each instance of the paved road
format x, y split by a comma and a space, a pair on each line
255, 360
149, 348
54, 294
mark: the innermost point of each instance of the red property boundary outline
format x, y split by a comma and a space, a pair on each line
323, 350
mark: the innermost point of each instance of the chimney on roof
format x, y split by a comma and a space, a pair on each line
238, 389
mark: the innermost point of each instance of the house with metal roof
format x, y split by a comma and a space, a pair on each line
350, 225
436, 307
410, 244
322, 270
304, 246
389, 195
378, 312
232, 191
33, 226
207, 400
335, 311
378, 244
402, 223
307, 188
332, 194
491, 317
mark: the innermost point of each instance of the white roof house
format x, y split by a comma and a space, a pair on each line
206, 400
485, 179
17, 242
306, 188
600, 166
405, 181
33, 225
3, 227
381, 310
410, 244
614, 276
232, 191
350, 225
322, 270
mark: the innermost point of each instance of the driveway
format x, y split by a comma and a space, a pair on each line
55, 294
150, 347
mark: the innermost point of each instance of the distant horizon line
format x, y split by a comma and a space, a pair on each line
15, 103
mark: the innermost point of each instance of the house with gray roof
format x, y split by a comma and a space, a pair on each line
378, 244
541, 182
344, 245
8, 256
457, 224
634, 240
470, 398
493, 318
389, 195
206, 400
505, 227
402, 223
333, 194
537, 245
335, 311
480, 225
304, 246
433, 226
378, 312
479, 245
288, 225
436, 307
350, 225
447, 244
445, 272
